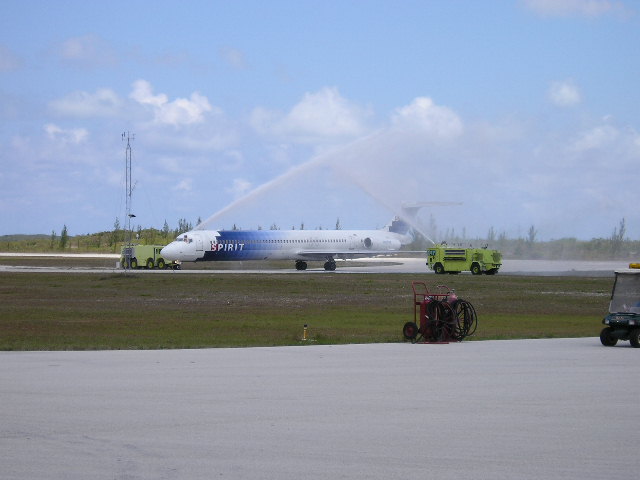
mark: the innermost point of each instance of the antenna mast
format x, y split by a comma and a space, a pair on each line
129, 137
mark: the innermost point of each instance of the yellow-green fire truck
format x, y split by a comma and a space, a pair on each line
445, 259
144, 256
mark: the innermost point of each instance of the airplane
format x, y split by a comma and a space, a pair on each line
299, 245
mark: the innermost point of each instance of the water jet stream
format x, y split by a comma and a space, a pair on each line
356, 162
314, 162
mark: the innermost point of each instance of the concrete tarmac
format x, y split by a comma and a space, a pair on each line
517, 409
363, 265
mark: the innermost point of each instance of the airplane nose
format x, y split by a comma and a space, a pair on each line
170, 252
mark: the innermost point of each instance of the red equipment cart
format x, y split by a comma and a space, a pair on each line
439, 316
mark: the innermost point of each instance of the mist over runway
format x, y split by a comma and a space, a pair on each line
364, 265
527, 409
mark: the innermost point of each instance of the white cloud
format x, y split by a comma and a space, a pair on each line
566, 8
184, 185
529, 168
595, 138
103, 103
66, 136
87, 51
423, 114
239, 188
181, 111
234, 57
143, 93
8, 61
564, 94
319, 117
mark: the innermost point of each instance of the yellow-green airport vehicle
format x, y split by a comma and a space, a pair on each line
145, 256
446, 259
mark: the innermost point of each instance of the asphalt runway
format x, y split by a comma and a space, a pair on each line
517, 409
364, 265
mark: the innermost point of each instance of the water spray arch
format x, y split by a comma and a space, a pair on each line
368, 164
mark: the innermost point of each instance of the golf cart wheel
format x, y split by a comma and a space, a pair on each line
410, 331
606, 337
634, 337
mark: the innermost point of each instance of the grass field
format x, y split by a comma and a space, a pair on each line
135, 311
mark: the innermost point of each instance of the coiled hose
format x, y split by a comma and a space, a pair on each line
466, 320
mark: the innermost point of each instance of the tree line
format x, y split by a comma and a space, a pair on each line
615, 246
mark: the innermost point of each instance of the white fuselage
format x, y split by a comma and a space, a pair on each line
226, 245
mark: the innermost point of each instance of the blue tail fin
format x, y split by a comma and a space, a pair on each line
399, 226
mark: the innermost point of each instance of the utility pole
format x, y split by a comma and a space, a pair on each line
129, 137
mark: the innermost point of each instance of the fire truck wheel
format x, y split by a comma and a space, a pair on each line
475, 269
134, 263
410, 331
438, 268
606, 338
634, 337
150, 264
161, 264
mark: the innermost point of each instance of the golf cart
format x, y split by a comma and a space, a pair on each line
623, 321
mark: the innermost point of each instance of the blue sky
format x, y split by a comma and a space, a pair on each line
302, 112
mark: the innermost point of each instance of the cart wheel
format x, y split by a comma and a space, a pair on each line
634, 337
441, 320
410, 331
607, 339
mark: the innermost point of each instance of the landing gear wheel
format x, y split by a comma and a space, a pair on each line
634, 337
330, 266
300, 265
607, 339
410, 331
475, 269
